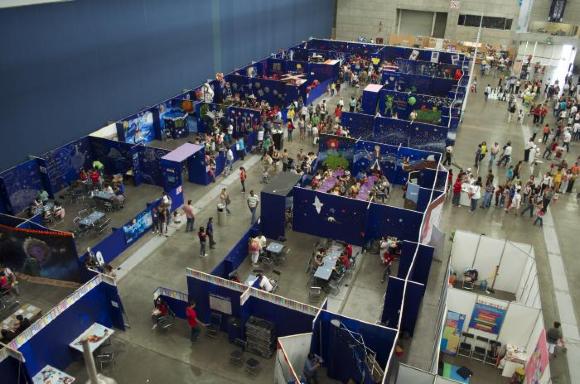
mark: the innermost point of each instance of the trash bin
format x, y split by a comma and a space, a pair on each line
221, 214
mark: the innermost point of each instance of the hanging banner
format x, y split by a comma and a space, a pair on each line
538, 361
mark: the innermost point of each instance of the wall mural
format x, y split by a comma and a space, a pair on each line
22, 183
38, 253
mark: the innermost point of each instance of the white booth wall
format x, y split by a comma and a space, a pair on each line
296, 348
513, 261
411, 375
519, 322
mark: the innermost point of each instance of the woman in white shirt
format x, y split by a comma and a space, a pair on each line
475, 194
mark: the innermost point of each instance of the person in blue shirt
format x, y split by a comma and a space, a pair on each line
209, 232
311, 367
120, 189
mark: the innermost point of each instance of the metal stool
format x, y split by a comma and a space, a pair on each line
252, 366
236, 358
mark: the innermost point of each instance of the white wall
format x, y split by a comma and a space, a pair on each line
297, 348
107, 132
461, 301
485, 254
463, 251
519, 323
378, 18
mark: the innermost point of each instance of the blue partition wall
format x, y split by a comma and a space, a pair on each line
149, 159
21, 184
51, 344
116, 156
332, 345
12, 371
337, 218
237, 253
399, 222
422, 265
287, 321
64, 163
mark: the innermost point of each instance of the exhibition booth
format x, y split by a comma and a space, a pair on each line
127, 150
51, 344
493, 314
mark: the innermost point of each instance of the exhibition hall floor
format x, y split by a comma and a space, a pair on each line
150, 356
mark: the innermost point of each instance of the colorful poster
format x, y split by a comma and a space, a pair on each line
487, 317
538, 360
140, 129
138, 226
452, 332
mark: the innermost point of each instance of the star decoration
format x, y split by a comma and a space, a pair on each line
317, 204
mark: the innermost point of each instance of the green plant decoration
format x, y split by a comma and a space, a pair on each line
333, 161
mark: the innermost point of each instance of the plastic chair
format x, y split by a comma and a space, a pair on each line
480, 348
492, 352
466, 346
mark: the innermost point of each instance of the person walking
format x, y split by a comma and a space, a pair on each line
202, 240
189, 216
253, 202
243, 176
487, 92
352, 104
192, 322
225, 200
529, 202
493, 152
448, 155
209, 232
229, 161
546, 132
290, 127
477, 156
506, 155
540, 217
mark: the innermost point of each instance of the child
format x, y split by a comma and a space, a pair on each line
540, 217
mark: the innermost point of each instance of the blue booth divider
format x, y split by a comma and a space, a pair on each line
288, 321
150, 168
423, 255
10, 221
344, 357
393, 302
122, 238
393, 221
12, 371
413, 296
329, 216
116, 156
237, 254
47, 340
64, 163
19, 185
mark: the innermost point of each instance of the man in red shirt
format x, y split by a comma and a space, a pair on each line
191, 315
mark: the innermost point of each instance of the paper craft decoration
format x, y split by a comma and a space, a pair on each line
487, 318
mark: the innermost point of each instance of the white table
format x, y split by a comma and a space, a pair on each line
514, 358
51, 375
251, 279
329, 262
92, 219
102, 332
464, 197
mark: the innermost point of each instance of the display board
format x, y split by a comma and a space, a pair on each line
138, 226
452, 332
21, 185
220, 304
538, 361
487, 317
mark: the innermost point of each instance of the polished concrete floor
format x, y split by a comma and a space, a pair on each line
145, 355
